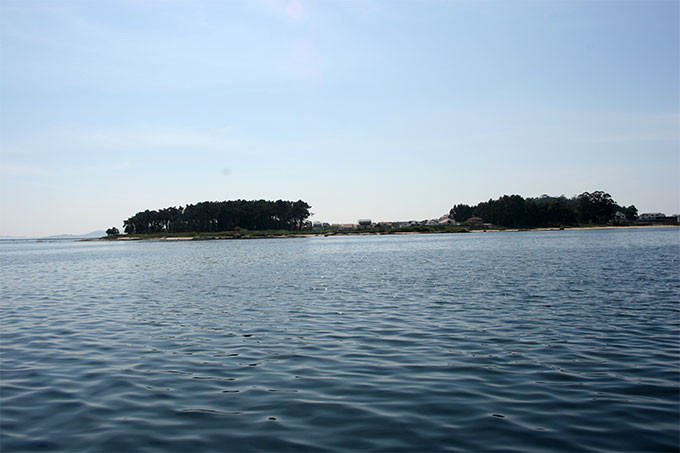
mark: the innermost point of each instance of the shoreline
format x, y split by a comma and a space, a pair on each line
235, 236
602, 227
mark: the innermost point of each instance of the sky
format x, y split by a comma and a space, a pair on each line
388, 110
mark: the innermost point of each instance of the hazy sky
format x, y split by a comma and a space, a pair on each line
389, 110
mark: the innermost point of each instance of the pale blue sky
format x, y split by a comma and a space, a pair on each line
388, 110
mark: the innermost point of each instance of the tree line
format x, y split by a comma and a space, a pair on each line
514, 211
215, 216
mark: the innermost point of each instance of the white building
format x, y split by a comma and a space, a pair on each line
652, 217
619, 217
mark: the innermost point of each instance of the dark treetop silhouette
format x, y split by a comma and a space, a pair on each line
214, 216
513, 211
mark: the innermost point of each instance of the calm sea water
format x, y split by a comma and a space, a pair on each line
532, 341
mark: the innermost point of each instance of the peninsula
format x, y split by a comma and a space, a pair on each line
243, 219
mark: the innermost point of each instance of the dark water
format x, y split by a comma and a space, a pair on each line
535, 341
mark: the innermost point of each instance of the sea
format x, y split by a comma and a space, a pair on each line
500, 341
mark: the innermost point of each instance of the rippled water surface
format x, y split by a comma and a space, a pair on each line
533, 341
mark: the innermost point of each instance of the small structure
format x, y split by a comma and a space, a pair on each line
653, 217
475, 221
365, 224
619, 218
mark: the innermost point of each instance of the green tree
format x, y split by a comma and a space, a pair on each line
460, 212
213, 216
596, 207
300, 212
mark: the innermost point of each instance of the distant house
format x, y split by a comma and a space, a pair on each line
348, 226
619, 217
475, 221
317, 226
652, 217
447, 221
364, 224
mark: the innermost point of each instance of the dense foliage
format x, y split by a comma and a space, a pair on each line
113, 231
214, 216
513, 211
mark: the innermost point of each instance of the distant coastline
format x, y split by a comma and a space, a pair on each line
233, 235
256, 219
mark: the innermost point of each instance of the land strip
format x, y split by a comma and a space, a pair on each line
276, 234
